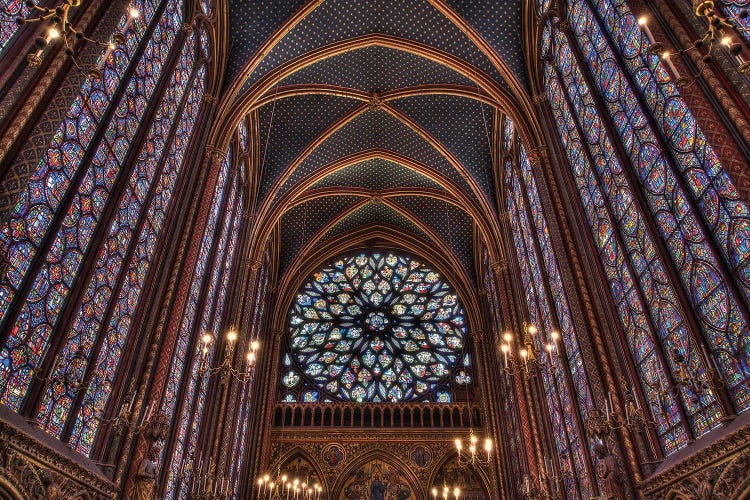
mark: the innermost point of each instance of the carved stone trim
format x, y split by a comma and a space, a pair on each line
721, 470
38, 471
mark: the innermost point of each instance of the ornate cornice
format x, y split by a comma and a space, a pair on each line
706, 468
39, 471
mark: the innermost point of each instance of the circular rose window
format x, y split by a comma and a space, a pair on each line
376, 327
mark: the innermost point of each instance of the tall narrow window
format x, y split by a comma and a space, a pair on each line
568, 393
131, 237
669, 225
41, 214
98, 184
206, 305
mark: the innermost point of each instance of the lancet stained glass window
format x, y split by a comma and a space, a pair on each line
677, 193
93, 311
377, 326
71, 193
36, 210
228, 209
562, 399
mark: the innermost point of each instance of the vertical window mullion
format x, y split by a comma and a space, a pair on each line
84, 205
630, 308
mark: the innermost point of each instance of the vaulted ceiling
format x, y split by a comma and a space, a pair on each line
375, 113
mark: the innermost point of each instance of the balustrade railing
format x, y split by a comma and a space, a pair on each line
377, 415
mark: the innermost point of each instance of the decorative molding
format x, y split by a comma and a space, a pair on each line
356, 447
720, 471
38, 471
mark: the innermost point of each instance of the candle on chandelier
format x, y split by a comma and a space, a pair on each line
133, 14
667, 58
643, 23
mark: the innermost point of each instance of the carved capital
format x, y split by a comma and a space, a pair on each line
187, 28
209, 98
216, 156
536, 156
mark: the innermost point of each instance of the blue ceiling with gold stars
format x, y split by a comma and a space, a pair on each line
378, 175
377, 69
252, 22
375, 134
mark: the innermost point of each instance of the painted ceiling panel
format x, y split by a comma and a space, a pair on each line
378, 175
295, 122
499, 23
453, 225
373, 214
251, 23
336, 20
463, 125
377, 69
302, 222
374, 129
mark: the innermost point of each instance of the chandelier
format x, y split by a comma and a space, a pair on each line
473, 455
718, 33
529, 356
286, 487
226, 368
59, 27
470, 454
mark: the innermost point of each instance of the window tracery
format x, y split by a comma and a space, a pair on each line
375, 326
662, 210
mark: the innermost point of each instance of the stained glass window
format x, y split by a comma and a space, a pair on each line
680, 191
650, 272
10, 10
627, 299
737, 11
70, 194
225, 201
377, 326
663, 212
111, 273
537, 261
242, 131
36, 210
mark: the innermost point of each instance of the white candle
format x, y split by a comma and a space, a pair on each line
644, 24
667, 58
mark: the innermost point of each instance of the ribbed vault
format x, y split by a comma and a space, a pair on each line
375, 114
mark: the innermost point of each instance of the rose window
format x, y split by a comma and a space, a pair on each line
375, 327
